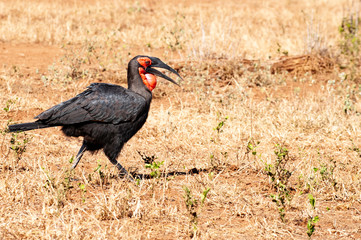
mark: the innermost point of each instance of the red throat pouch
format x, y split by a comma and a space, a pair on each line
149, 80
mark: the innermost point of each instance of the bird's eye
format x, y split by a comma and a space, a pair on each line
144, 61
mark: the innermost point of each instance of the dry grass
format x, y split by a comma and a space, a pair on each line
246, 28
314, 114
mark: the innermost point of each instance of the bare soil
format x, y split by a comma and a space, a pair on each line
181, 131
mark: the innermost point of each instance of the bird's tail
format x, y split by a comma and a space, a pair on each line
27, 126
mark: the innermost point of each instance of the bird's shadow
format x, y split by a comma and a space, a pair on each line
151, 159
133, 175
192, 171
146, 176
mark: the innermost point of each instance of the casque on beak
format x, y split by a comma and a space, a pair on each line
156, 62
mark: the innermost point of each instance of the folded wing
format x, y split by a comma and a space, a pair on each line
101, 102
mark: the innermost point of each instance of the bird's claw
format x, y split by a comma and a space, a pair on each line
124, 174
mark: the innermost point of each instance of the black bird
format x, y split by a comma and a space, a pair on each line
106, 115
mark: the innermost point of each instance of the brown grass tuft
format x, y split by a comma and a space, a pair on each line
239, 100
299, 65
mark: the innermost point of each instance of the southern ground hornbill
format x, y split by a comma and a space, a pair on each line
106, 115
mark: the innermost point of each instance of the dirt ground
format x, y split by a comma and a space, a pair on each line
219, 131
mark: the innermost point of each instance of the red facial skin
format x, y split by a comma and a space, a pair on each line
149, 80
144, 61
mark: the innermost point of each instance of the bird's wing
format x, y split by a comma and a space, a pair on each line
100, 103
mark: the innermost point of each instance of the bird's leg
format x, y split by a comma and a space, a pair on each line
79, 155
112, 153
123, 171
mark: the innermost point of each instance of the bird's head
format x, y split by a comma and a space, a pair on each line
146, 68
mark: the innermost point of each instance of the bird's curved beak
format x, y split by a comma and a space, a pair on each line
156, 62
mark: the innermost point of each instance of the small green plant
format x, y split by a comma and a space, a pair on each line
71, 160
219, 128
83, 191
220, 125
348, 105
355, 148
174, 38
19, 142
326, 171
59, 187
281, 51
154, 166
193, 208
9, 104
279, 176
350, 41
101, 173
252, 147
311, 223
191, 205
350, 45
66, 183
15, 71
50, 180
204, 195
151, 164
216, 163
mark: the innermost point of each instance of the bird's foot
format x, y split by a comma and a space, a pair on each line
124, 174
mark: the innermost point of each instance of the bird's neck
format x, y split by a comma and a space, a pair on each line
136, 85
135, 82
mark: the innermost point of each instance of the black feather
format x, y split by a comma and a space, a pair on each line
27, 126
106, 115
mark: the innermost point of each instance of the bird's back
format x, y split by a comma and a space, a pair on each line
100, 102
102, 114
